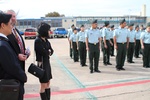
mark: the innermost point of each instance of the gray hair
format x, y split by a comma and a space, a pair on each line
10, 10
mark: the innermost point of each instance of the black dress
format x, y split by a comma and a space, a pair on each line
43, 52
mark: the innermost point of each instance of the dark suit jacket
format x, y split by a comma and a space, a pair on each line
16, 47
9, 64
42, 49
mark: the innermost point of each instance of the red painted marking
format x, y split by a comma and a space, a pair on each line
91, 88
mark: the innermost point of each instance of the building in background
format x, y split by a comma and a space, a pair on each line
66, 22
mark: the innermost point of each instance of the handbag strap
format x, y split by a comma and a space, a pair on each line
39, 64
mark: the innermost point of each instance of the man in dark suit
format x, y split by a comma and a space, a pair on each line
18, 44
9, 64
17, 41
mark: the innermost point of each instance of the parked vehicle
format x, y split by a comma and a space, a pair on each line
60, 32
51, 35
30, 33
21, 33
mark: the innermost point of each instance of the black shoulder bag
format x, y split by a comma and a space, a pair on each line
36, 70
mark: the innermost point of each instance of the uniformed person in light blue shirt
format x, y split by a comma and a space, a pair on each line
74, 45
121, 43
70, 32
142, 28
93, 39
107, 44
138, 44
132, 42
145, 45
82, 46
111, 38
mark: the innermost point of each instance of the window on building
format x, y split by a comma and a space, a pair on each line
29, 22
21, 23
65, 20
72, 20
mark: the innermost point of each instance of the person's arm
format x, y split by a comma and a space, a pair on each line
115, 39
104, 37
127, 42
51, 49
86, 40
141, 40
11, 65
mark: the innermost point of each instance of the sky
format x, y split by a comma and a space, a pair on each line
38, 8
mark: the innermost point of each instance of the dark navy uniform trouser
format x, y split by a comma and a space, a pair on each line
94, 54
146, 55
121, 55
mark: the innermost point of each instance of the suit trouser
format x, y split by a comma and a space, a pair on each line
75, 52
82, 53
70, 51
146, 55
121, 54
106, 53
130, 52
21, 92
137, 48
94, 53
112, 48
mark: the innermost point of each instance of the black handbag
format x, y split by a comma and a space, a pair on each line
36, 71
9, 89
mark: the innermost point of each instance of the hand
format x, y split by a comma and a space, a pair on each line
51, 52
87, 48
116, 47
27, 52
127, 46
142, 46
22, 57
111, 43
105, 46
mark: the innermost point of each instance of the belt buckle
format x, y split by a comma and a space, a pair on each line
94, 43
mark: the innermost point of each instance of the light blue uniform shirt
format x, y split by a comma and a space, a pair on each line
81, 36
131, 35
93, 35
145, 36
106, 33
121, 35
111, 34
101, 32
70, 32
137, 35
73, 37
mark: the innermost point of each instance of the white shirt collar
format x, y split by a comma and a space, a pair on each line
2, 35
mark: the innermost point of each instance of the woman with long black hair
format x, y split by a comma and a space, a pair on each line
43, 52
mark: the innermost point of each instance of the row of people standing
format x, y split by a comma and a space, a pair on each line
122, 39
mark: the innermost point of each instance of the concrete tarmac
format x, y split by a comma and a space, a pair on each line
73, 82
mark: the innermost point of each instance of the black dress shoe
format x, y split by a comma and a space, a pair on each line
105, 64
109, 63
132, 62
122, 69
146, 67
128, 61
91, 71
98, 71
118, 69
84, 65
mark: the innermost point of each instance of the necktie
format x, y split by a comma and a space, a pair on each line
19, 41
